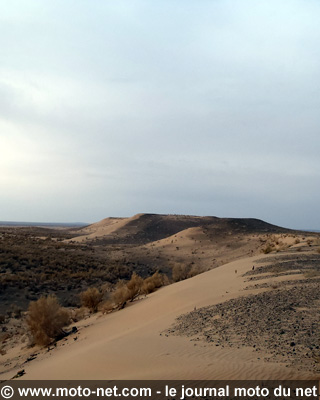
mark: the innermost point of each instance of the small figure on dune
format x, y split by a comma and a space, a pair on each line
235, 271
253, 268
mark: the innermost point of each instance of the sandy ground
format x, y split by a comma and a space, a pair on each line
103, 228
131, 344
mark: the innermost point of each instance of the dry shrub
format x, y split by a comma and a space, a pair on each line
195, 270
78, 314
91, 298
46, 318
181, 271
106, 307
268, 249
121, 295
282, 247
127, 291
152, 283
106, 287
134, 286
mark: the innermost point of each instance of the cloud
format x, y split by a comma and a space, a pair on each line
132, 106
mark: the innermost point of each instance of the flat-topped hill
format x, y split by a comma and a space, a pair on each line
146, 228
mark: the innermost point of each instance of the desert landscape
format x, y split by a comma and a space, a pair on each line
160, 193
176, 297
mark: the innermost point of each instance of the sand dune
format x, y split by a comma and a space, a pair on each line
131, 344
103, 228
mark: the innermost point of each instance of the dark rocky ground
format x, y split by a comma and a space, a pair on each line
36, 261
283, 322
287, 264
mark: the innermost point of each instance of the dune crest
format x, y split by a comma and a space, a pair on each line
132, 344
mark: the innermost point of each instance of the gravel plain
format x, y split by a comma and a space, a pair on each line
283, 323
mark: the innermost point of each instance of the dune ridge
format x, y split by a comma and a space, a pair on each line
132, 343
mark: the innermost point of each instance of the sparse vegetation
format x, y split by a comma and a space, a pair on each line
129, 291
121, 295
268, 249
134, 286
45, 320
36, 261
107, 306
126, 291
152, 283
31, 266
78, 314
91, 298
181, 272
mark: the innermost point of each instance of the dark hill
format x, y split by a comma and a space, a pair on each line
152, 227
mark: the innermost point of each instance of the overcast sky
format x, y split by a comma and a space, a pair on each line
206, 107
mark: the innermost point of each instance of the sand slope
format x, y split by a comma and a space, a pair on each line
129, 344
100, 229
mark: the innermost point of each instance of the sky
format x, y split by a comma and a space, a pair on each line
201, 107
